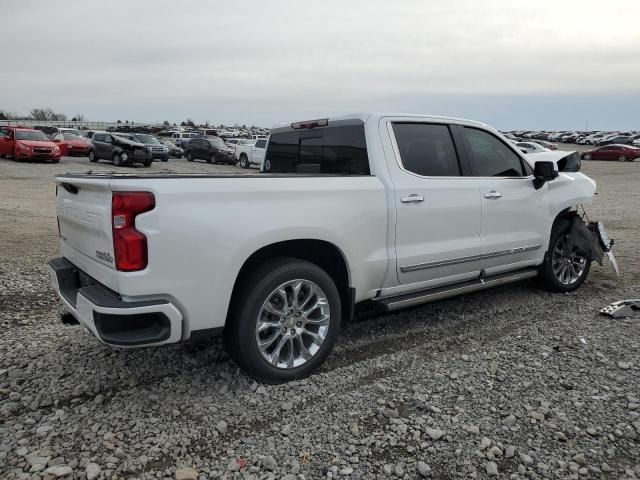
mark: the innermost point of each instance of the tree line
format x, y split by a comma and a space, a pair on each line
44, 114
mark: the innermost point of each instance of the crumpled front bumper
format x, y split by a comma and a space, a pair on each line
112, 320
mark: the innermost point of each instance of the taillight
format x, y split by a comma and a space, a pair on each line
129, 245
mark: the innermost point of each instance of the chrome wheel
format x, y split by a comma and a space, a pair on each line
568, 266
293, 323
622, 158
587, 156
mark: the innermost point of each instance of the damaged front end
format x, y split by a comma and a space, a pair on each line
591, 239
132, 151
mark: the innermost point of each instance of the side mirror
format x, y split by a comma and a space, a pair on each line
544, 172
57, 140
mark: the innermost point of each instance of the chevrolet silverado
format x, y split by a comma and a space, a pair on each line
394, 209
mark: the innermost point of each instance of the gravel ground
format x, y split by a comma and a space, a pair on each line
508, 383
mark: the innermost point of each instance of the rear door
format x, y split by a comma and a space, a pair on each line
438, 211
515, 216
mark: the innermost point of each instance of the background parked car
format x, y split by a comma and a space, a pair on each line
213, 150
531, 147
22, 143
157, 150
119, 150
174, 152
616, 139
251, 153
545, 144
181, 138
621, 153
71, 144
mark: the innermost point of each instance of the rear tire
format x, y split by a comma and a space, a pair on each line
244, 161
586, 156
147, 163
294, 331
212, 159
622, 158
563, 271
92, 156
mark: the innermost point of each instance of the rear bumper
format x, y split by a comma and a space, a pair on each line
112, 320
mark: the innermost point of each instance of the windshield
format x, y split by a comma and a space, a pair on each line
150, 139
31, 135
218, 144
73, 132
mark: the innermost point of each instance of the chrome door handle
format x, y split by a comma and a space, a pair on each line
493, 194
412, 199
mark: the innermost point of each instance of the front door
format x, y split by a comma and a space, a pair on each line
438, 212
515, 215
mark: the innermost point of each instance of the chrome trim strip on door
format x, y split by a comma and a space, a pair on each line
472, 258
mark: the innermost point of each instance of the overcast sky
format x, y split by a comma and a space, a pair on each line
513, 64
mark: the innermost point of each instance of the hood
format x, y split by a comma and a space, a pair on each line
36, 143
567, 161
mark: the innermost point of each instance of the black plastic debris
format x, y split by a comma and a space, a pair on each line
622, 309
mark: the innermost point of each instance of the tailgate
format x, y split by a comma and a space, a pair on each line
83, 207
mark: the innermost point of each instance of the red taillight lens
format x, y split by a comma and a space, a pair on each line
129, 245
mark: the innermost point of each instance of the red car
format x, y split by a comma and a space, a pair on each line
23, 143
71, 144
622, 153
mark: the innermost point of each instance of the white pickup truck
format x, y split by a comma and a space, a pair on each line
395, 209
251, 152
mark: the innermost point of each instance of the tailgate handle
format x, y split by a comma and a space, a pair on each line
70, 188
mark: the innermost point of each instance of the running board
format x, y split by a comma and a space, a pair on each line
425, 296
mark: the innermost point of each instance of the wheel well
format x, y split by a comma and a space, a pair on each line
566, 214
323, 254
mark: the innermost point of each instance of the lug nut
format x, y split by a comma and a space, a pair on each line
293, 332
299, 324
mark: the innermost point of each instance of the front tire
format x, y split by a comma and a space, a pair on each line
244, 161
285, 322
622, 158
189, 157
117, 160
561, 270
586, 156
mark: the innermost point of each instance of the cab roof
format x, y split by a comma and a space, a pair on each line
372, 117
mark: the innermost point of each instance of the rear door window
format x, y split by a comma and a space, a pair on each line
490, 156
427, 149
330, 150
99, 137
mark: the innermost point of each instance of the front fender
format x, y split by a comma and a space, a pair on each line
569, 190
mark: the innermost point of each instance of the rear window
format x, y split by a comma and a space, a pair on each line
332, 150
